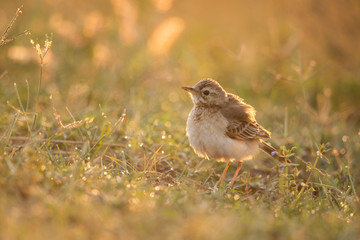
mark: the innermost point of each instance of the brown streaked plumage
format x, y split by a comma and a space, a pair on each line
223, 127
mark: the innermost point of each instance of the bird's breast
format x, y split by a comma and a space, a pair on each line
206, 131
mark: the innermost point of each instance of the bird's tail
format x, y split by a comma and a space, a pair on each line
271, 151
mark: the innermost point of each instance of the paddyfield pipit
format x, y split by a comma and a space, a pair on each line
223, 127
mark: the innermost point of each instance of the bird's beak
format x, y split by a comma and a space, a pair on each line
190, 90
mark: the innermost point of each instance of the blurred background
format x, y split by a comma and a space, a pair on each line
297, 62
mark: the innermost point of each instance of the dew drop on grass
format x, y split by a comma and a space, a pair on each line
342, 151
95, 192
118, 178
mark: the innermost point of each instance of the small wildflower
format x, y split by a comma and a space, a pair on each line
273, 153
281, 165
47, 44
319, 154
37, 47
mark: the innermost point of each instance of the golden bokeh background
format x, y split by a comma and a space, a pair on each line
276, 54
260, 42
297, 62
136, 54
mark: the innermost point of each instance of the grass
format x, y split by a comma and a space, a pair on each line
92, 122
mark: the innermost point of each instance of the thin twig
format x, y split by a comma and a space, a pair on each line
308, 179
26, 139
3, 39
3, 74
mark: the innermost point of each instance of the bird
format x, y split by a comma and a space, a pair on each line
223, 127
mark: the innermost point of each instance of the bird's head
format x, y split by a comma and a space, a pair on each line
207, 92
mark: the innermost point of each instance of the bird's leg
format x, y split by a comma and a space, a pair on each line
239, 164
224, 172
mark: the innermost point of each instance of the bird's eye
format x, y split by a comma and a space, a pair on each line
206, 92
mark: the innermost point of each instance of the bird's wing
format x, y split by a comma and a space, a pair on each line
241, 122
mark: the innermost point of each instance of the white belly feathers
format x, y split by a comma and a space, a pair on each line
209, 139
